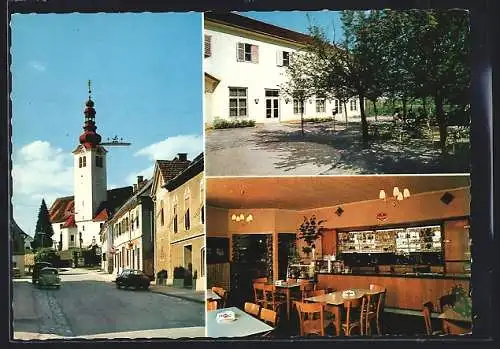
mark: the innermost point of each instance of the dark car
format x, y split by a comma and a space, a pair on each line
36, 270
132, 278
49, 277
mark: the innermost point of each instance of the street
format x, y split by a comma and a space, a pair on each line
89, 305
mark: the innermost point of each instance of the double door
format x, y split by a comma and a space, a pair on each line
272, 105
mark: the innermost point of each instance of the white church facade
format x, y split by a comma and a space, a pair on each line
77, 219
245, 64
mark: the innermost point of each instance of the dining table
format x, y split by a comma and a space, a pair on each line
285, 288
454, 322
212, 295
336, 301
243, 325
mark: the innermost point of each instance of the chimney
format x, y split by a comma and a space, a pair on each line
182, 156
135, 187
139, 179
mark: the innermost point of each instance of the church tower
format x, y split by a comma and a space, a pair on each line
90, 187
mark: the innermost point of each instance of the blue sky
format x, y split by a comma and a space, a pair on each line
147, 86
299, 20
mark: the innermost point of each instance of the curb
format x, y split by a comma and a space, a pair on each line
187, 298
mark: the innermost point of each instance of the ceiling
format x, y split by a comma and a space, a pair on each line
299, 193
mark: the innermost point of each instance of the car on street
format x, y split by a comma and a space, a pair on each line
36, 270
49, 277
132, 278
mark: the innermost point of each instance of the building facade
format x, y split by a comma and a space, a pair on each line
180, 220
245, 66
127, 237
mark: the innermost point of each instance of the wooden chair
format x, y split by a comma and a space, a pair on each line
260, 280
317, 293
306, 288
273, 299
355, 315
259, 295
291, 280
311, 318
269, 316
222, 293
375, 308
211, 305
427, 310
252, 309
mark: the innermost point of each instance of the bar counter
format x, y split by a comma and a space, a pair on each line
404, 291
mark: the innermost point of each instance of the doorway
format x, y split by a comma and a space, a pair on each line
272, 105
188, 265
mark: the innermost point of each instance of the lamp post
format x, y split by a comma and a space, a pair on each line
334, 112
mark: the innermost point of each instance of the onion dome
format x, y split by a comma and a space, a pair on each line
89, 138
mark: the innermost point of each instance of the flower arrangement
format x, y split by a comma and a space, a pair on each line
463, 302
309, 231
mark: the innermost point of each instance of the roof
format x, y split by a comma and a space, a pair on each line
195, 168
63, 208
171, 168
242, 22
132, 201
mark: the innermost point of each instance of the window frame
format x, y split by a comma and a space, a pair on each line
238, 98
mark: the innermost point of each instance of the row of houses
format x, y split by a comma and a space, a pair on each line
160, 227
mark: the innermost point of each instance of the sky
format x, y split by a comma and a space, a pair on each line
146, 84
300, 21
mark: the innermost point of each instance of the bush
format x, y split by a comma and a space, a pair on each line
179, 272
222, 123
47, 254
318, 120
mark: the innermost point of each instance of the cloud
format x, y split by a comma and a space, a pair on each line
39, 171
171, 146
37, 65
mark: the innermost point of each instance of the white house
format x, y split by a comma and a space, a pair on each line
128, 236
245, 63
78, 219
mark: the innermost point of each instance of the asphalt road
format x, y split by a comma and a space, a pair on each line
87, 306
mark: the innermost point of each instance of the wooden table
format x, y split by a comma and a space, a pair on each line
286, 287
244, 325
212, 295
336, 299
455, 323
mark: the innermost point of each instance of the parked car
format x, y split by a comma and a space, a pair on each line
49, 277
36, 270
132, 278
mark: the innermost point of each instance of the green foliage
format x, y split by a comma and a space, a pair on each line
43, 230
463, 303
222, 123
47, 254
179, 272
309, 231
318, 120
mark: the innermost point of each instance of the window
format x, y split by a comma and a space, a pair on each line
247, 53
353, 104
208, 46
72, 238
202, 199
83, 228
237, 101
202, 214
283, 58
61, 226
98, 161
100, 225
320, 105
175, 218
298, 106
162, 215
80, 162
202, 267
137, 218
187, 223
84, 161
104, 257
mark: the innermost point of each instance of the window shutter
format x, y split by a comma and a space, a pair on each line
255, 54
279, 58
240, 52
208, 45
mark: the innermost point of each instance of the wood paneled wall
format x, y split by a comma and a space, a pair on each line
218, 275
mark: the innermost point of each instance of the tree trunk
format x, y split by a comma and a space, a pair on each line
302, 117
364, 123
345, 113
375, 108
438, 100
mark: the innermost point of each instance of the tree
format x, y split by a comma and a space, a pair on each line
47, 254
43, 231
301, 81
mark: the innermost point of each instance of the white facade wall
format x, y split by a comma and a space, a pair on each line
255, 77
66, 236
89, 191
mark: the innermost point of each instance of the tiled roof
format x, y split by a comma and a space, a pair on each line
238, 21
70, 222
197, 166
63, 208
171, 168
132, 201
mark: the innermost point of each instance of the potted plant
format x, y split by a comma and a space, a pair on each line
179, 275
463, 302
309, 231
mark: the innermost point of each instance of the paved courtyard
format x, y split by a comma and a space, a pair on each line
89, 306
281, 149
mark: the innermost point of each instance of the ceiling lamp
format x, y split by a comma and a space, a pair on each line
242, 218
397, 195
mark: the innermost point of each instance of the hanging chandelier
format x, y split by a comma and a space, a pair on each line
397, 195
242, 218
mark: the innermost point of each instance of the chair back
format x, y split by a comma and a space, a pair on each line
211, 305
305, 289
252, 309
269, 316
317, 293
290, 280
260, 280
354, 307
258, 293
427, 309
222, 294
311, 318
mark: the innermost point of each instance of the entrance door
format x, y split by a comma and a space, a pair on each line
272, 105
188, 264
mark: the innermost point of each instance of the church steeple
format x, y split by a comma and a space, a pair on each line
90, 138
